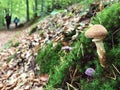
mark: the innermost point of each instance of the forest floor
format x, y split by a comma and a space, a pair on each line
19, 69
13, 33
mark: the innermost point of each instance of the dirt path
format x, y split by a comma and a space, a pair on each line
11, 34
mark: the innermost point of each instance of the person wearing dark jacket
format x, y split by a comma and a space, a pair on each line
8, 20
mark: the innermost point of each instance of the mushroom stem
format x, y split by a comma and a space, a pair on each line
101, 51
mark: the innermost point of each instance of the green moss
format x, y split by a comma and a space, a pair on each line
56, 63
98, 84
109, 18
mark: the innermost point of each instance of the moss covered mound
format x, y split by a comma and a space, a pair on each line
66, 68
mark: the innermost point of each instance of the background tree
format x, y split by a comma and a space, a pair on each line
42, 5
27, 10
35, 14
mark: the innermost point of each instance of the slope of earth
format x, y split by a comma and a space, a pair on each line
18, 67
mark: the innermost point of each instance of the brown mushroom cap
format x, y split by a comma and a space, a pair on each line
96, 31
44, 77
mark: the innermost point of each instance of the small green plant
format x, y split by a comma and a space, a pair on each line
8, 44
33, 29
16, 44
9, 58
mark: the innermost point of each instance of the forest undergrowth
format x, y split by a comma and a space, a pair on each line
67, 67
63, 53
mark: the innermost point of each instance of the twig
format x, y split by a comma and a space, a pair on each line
74, 75
116, 68
70, 86
70, 73
81, 46
79, 85
114, 78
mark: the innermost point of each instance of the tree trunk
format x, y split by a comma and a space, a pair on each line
42, 6
35, 14
53, 4
27, 10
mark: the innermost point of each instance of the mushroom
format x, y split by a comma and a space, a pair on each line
90, 72
44, 79
98, 33
67, 48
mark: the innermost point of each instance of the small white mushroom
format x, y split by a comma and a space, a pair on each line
44, 79
98, 33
